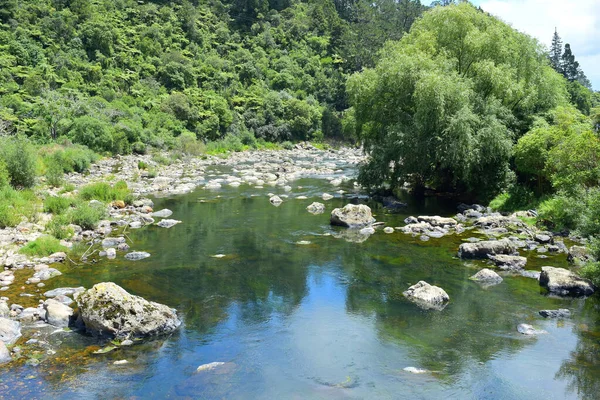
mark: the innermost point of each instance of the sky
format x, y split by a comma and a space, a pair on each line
577, 22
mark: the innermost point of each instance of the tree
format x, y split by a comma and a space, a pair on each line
443, 105
556, 51
569, 66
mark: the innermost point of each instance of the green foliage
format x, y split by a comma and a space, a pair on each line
444, 104
4, 176
142, 165
87, 216
188, 144
20, 159
93, 133
16, 204
57, 204
106, 193
591, 271
560, 212
42, 247
59, 227
517, 198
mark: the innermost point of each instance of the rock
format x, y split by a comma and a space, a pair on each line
168, 223
529, 330
4, 309
10, 330
4, 353
427, 296
111, 253
411, 220
530, 274
66, 291
135, 225
108, 309
112, 241
46, 273
209, 366
118, 204
120, 362
57, 257
123, 247
506, 262
540, 238
438, 221
316, 208
57, 313
415, 370
392, 203
367, 231
388, 229
487, 276
326, 196
165, 213
497, 221
276, 201
31, 314
579, 254
484, 248
137, 255
565, 283
352, 216
560, 313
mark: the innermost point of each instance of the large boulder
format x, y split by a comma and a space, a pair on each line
565, 283
484, 248
352, 216
108, 309
57, 313
9, 330
427, 296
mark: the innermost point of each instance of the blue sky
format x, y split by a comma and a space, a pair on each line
577, 22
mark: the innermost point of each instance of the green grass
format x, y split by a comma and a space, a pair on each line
57, 204
42, 247
106, 193
16, 204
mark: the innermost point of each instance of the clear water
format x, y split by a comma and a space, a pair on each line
325, 320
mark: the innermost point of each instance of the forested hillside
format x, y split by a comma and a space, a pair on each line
119, 75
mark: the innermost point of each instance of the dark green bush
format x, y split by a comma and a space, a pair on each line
20, 159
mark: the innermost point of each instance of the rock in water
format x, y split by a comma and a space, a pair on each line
137, 255
427, 296
4, 353
560, 313
565, 283
10, 330
57, 313
529, 330
165, 213
168, 223
415, 370
487, 276
210, 366
316, 208
108, 309
276, 201
438, 221
484, 248
352, 216
510, 263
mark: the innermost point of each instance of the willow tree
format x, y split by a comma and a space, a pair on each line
445, 104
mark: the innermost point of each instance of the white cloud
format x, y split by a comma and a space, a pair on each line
577, 21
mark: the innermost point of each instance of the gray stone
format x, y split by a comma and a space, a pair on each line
352, 216
168, 223
541, 238
276, 201
427, 296
4, 309
57, 313
579, 254
560, 313
487, 276
10, 330
112, 241
316, 208
111, 253
484, 248
4, 353
123, 247
529, 330
565, 283
66, 291
107, 309
438, 221
165, 213
46, 273
506, 262
137, 255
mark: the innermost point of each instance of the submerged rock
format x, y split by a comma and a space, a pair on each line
560, 313
487, 276
506, 262
427, 296
137, 255
565, 283
316, 208
529, 330
352, 216
484, 248
108, 309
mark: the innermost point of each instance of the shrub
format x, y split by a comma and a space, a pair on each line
142, 165
93, 133
20, 159
54, 172
287, 145
59, 227
69, 187
4, 176
57, 204
42, 247
14, 205
561, 212
591, 271
104, 192
187, 144
87, 216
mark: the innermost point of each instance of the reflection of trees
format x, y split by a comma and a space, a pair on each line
582, 370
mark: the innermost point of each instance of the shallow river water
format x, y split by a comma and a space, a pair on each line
325, 320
